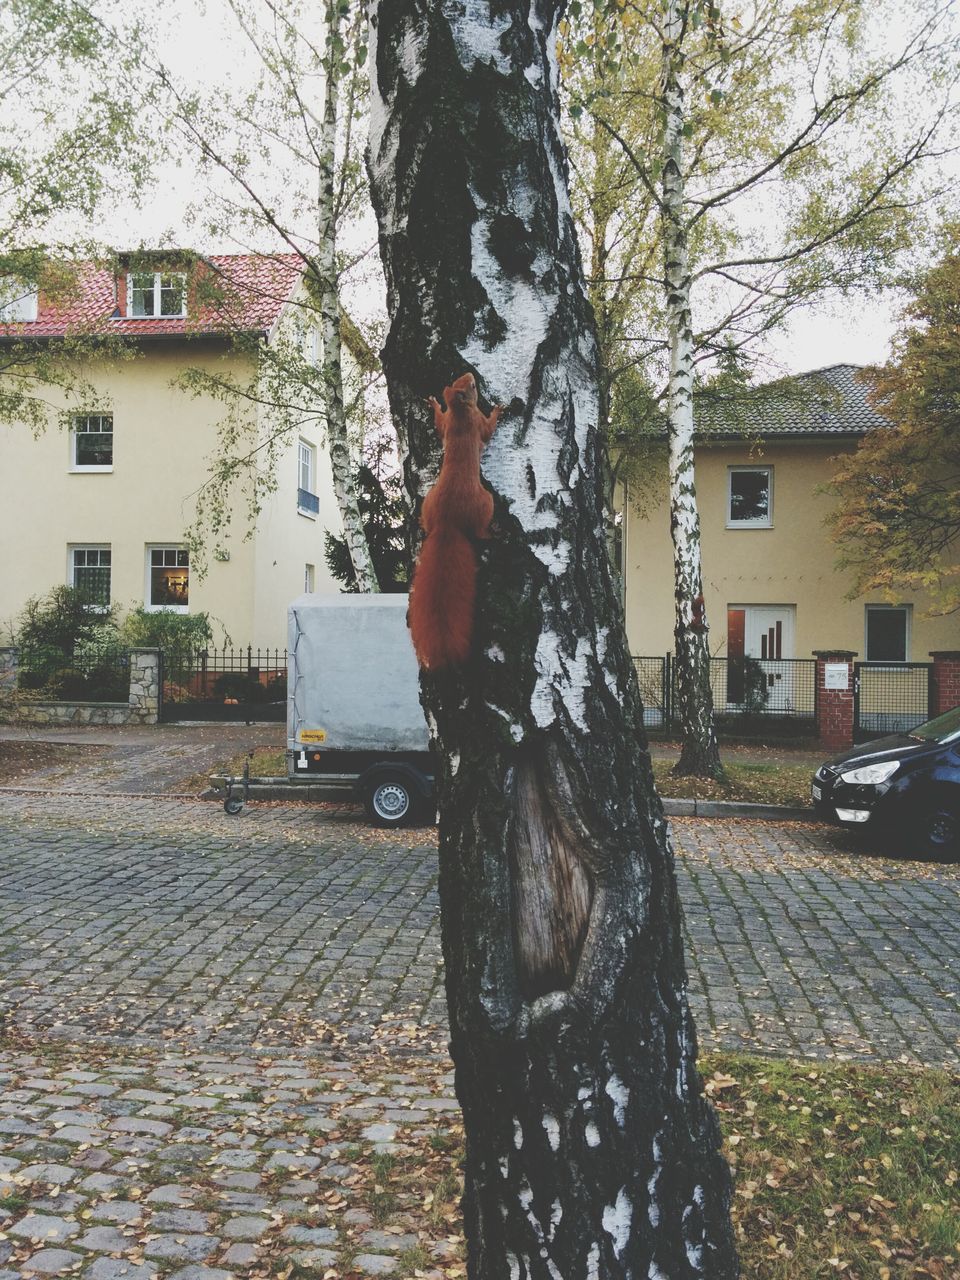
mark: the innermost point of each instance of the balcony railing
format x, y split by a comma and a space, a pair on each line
308, 502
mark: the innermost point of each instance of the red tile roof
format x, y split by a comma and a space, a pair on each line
244, 292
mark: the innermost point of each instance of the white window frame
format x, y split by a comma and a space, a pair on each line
907, 611
148, 604
85, 467
309, 579
306, 452
767, 521
158, 278
72, 566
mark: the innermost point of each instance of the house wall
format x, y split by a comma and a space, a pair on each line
163, 441
791, 563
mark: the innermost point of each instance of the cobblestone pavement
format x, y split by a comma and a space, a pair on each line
198, 1078
200, 1168
131, 759
166, 922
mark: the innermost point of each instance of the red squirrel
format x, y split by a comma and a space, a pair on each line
457, 509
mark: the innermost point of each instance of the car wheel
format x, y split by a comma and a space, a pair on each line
389, 802
939, 832
232, 806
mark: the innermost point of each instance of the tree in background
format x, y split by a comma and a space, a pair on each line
290, 150
767, 162
73, 135
385, 515
591, 1150
897, 520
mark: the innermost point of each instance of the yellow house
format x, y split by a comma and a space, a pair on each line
104, 502
772, 589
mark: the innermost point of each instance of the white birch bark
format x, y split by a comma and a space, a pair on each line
699, 751
590, 1151
325, 262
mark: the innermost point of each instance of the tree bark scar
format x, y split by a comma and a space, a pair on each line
551, 887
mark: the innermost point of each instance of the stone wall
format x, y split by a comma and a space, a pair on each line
142, 706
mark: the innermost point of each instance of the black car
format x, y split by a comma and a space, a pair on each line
905, 787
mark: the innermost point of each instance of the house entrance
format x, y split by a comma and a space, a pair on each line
759, 657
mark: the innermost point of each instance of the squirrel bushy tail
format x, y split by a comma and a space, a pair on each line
442, 599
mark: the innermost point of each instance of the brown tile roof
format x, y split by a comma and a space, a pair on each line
244, 292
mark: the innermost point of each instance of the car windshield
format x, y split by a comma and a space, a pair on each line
941, 729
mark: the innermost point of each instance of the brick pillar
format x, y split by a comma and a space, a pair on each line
8, 668
945, 680
144, 686
835, 697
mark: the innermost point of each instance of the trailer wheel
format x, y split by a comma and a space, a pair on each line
232, 805
389, 801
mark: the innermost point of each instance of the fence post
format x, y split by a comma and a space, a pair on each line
9, 661
145, 685
835, 697
667, 693
945, 680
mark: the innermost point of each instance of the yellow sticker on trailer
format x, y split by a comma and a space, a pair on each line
313, 735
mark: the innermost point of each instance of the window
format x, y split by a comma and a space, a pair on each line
168, 582
309, 577
750, 504
91, 444
18, 302
308, 504
156, 293
90, 575
888, 632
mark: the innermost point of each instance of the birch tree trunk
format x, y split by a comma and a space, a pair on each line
325, 266
591, 1151
699, 752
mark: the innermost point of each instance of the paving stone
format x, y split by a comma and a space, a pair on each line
171, 1193
57, 1174
65, 1203
43, 1227
200, 1273
296, 1233
375, 1264
124, 1212
379, 1132
8, 1165
50, 1262
182, 1248
101, 1182
247, 1227
118, 1269
294, 1161
241, 1255
137, 1124
105, 1240
239, 1181
385, 1242
179, 1220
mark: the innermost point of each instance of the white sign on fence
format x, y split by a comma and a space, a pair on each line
836, 675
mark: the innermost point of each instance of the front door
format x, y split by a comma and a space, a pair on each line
759, 653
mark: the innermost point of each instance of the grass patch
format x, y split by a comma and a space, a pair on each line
787, 784
841, 1169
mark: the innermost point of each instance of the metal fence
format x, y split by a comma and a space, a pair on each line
890, 697
747, 693
92, 671
223, 684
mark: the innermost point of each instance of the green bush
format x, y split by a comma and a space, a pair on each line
179, 635
59, 632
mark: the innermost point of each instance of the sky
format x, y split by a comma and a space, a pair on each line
201, 44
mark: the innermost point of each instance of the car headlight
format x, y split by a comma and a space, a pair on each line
871, 773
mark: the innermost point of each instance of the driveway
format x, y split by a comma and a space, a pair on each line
162, 922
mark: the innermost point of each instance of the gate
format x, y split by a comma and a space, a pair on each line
890, 697
223, 684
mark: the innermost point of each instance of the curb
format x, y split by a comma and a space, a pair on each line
282, 789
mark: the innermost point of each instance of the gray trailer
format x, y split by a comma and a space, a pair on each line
354, 720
